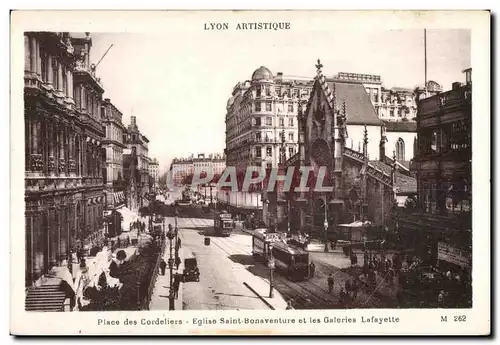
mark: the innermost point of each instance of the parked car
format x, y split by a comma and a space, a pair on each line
191, 271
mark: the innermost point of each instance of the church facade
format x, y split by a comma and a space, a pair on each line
362, 189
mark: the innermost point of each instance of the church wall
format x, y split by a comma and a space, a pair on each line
379, 203
408, 138
355, 139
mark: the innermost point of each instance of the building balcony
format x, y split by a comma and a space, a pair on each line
53, 183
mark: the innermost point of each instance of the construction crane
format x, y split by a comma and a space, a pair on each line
97, 64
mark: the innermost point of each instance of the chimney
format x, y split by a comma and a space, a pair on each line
132, 121
279, 75
456, 85
107, 100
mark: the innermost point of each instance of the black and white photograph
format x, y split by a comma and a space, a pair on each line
249, 162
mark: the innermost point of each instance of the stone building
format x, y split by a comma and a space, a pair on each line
260, 113
114, 183
63, 144
154, 172
444, 172
132, 177
182, 168
137, 140
363, 189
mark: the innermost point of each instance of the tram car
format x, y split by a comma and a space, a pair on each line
185, 198
223, 224
261, 241
290, 260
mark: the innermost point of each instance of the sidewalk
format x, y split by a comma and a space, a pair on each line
161, 290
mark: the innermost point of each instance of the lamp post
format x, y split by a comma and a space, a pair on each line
271, 266
170, 236
325, 224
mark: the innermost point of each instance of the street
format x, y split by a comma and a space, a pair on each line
228, 262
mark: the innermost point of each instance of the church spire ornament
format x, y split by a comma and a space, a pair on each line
319, 66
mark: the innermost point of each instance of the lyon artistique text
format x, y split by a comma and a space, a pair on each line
221, 26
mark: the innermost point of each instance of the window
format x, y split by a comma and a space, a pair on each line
258, 151
290, 122
268, 106
257, 106
282, 121
258, 91
55, 79
400, 112
290, 137
269, 121
291, 151
400, 150
258, 136
391, 112
290, 108
268, 91
269, 151
376, 95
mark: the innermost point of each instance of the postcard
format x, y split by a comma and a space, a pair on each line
250, 172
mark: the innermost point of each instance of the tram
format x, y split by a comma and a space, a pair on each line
261, 242
223, 223
289, 259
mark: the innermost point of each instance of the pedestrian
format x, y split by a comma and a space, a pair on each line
312, 268
441, 299
342, 296
177, 282
177, 262
330, 283
163, 267
289, 305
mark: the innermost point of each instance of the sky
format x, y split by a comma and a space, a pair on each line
177, 85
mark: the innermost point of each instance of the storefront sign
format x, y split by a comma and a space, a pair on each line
454, 255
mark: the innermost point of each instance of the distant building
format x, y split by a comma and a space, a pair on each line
181, 168
132, 177
114, 183
154, 171
137, 140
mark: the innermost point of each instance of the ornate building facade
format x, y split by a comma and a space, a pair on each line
63, 144
443, 216
139, 142
154, 173
261, 113
113, 145
361, 189
181, 168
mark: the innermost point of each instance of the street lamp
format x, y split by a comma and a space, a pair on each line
170, 236
325, 224
271, 266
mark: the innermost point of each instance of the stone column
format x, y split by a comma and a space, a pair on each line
60, 78
36, 156
62, 160
27, 57
38, 60
72, 158
69, 76
83, 98
50, 72
33, 62
51, 144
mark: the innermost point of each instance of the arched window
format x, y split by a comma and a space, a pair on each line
400, 150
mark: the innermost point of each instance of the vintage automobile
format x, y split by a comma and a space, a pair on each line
191, 271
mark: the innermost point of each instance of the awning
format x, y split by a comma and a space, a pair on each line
128, 217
